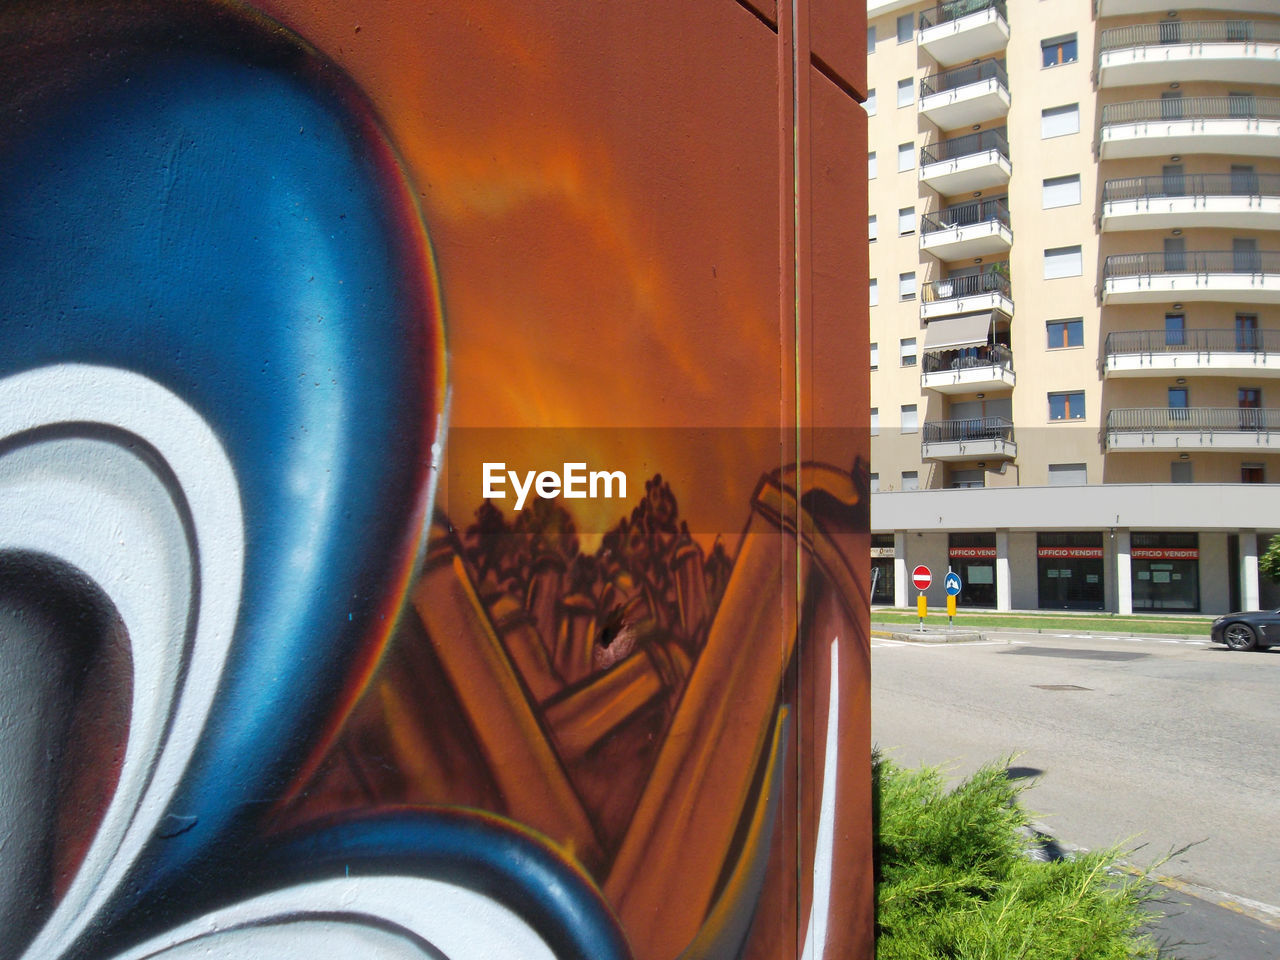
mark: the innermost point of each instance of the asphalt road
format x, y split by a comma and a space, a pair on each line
1145, 743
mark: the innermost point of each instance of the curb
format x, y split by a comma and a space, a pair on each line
887, 628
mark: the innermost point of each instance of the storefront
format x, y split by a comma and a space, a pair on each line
1070, 572
1166, 571
882, 568
973, 556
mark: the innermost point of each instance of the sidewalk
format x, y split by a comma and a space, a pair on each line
1174, 627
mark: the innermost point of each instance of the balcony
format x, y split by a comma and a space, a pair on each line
1124, 8
1225, 429
980, 437
1217, 50
975, 161
1236, 125
1246, 201
1233, 276
988, 367
961, 96
957, 30
975, 293
1220, 353
973, 229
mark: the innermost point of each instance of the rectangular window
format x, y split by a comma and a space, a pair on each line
1068, 474
906, 157
875, 421
905, 28
1066, 333
907, 286
907, 351
1061, 192
873, 292
873, 229
1175, 329
1252, 473
871, 39
1180, 471
1059, 50
875, 356
875, 483
906, 92
1066, 406
1059, 121
906, 221
869, 104
968, 479
871, 165
1063, 262
908, 418
910, 480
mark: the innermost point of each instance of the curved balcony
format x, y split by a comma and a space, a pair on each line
1248, 201
1237, 125
1124, 8
974, 229
1165, 353
974, 438
1176, 50
1233, 276
961, 96
964, 371
1225, 429
958, 30
976, 293
974, 161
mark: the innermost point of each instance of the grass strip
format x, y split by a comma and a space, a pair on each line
1182, 626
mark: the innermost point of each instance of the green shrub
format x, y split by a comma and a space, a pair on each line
954, 882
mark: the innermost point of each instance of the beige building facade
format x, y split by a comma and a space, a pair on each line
1074, 232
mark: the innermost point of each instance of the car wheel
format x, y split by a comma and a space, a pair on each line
1240, 636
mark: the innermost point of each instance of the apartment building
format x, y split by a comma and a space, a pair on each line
1074, 232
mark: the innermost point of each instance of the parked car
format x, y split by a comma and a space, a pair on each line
1245, 631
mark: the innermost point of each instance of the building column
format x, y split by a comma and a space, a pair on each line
1003, 585
1124, 573
1249, 594
900, 568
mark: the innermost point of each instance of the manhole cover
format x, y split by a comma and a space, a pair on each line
1059, 686
1064, 653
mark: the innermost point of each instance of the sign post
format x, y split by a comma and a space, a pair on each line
921, 577
953, 584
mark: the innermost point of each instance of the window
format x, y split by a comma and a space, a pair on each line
1061, 192
873, 229
906, 221
1175, 329
907, 352
1068, 474
1177, 398
1066, 333
1059, 50
871, 39
1059, 121
873, 291
869, 104
875, 483
905, 25
875, 356
968, 479
1066, 406
875, 421
910, 480
906, 92
871, 165
908, 418
906, 157
1252, 473
1180, 471
907, 286
1063, 262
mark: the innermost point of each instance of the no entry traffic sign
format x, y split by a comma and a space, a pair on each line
921, 577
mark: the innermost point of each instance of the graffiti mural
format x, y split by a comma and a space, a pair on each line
276, 677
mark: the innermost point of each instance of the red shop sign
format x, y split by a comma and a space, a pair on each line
1166, 553
1070, 552
972, 552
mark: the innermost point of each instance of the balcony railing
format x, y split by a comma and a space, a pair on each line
966, 214
1192, 185
955, 9
1125, 342
966, 146
974, 428
954, 287
1193, 262
1192, 108
992, 355
963, 76
1184, 419
1188, 32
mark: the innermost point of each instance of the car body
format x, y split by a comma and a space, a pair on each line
1245, 631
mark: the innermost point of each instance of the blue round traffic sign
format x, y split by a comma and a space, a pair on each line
952, 582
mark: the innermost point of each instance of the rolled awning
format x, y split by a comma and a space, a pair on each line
952, 333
